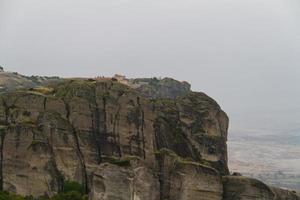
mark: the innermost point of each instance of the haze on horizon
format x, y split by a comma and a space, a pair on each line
243, 53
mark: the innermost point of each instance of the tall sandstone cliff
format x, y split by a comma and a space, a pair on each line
119, 143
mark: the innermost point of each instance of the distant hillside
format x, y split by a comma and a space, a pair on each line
10, 81
153, 88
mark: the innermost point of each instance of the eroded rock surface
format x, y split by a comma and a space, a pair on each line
72, 130
117, 143
243, 188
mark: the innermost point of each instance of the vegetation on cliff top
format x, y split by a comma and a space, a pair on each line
162, 88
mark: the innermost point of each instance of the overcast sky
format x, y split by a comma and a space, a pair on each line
243, 53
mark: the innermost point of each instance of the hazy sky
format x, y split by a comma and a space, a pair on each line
243, 53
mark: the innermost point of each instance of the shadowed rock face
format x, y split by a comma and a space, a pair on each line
115, 142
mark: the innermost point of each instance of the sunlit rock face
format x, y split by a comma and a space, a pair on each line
114, 140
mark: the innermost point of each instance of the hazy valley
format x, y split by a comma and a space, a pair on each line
271, 157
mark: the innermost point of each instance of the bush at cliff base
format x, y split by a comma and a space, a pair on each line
72, 191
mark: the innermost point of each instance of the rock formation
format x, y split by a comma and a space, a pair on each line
238, 187
119, 143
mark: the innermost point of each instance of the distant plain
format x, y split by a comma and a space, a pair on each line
271, 157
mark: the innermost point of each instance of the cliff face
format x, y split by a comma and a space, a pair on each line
116, 143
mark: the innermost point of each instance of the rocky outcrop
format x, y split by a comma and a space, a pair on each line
285, 194
243, 188
118, 144
238, 187
73, 130
134, 181
187, 180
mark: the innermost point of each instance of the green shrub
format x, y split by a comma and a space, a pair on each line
72, 191
71, 195
70, 186
7, 196
121, 163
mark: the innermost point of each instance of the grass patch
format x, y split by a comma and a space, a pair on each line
121, 163
43, 90
8, 196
